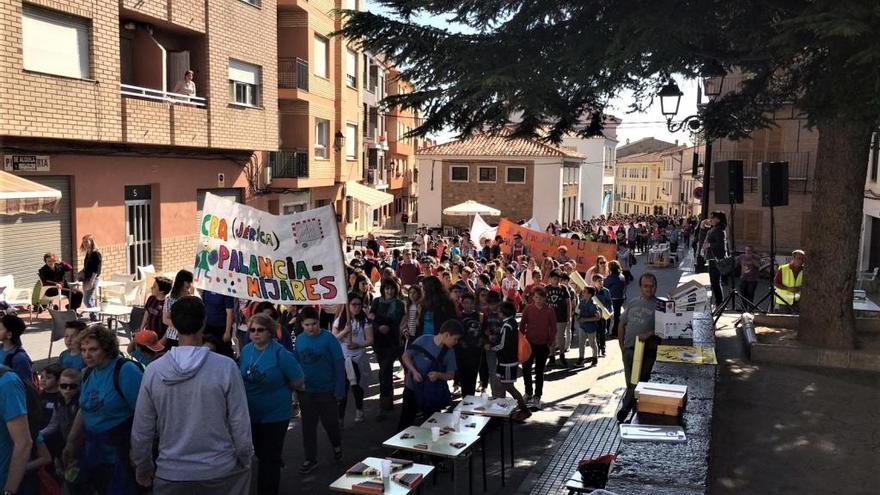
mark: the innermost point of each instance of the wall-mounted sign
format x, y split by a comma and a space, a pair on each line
26, 163
138, 193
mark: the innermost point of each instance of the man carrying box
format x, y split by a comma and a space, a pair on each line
637, 323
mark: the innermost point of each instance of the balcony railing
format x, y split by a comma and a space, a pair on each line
289, 164
293, 73
801, 166
158, 95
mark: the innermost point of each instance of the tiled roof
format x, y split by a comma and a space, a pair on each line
642, 158
498, 145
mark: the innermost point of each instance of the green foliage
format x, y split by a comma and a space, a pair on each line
555, 62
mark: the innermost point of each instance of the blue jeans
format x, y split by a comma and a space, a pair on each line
89, 298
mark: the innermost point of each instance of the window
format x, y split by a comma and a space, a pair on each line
487, 174
351, 63
244, 82
322, 136
351, 133
351, 4
516, 175
54, 43
320, 57
459, 174
292, 208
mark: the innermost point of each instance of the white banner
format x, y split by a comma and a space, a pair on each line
481, 230
288, 259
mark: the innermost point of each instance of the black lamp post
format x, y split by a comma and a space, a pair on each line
339, 141
670, 99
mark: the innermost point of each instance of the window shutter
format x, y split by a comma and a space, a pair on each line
320, 56
243, 72
54, 43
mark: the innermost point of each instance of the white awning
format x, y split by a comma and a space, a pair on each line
470, 208
367, 195
19, 195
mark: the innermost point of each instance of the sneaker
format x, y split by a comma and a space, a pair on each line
295, 410
307, 467
521, 415
537, 404
359, 416
528, 398
595, 361
337, 453
563, 363
580, 361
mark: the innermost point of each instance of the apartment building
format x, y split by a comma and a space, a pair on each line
96, 105
638, 185
597, 171
402, 171
869, 252
336, 143
523, 178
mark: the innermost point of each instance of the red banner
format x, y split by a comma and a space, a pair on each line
541, 245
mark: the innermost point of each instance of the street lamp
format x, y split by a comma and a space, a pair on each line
670, 98
338, 141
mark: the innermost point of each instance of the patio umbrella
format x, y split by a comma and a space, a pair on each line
470, 208
19, 195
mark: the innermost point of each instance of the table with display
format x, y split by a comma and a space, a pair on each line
469, 424
409, 439
346, 483
502, 409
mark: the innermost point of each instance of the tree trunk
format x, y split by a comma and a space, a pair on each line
832, 241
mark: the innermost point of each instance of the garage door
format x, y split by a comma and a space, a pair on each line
25, 238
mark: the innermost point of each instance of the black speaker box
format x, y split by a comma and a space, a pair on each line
774, 183
728, 181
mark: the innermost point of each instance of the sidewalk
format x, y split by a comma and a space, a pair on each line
790, 430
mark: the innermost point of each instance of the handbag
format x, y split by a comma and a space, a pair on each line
523, 348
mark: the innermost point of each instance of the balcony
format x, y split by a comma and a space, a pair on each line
160, 96
375, 179
801, 166
293, 73
290, 164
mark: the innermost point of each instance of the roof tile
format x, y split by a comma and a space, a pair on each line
498, 145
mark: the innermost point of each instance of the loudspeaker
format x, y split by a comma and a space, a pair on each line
774, 183
728, 182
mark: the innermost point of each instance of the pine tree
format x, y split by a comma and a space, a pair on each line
551, 62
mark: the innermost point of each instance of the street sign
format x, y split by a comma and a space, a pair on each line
26, 163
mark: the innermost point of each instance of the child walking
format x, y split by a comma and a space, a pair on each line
508, 362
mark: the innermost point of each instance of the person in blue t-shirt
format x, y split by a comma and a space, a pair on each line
15, 436
588, 317
12, 354
219, 319
107, 402
320, 355
270, 372
418, 366
71, 357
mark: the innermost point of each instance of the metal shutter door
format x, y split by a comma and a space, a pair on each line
25, 238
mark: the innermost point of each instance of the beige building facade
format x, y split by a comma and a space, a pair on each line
97, 93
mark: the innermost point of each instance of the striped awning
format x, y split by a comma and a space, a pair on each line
367, 195
19, 195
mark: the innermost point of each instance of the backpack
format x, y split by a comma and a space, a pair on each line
117, 368
34, 406
35, 377
431, 396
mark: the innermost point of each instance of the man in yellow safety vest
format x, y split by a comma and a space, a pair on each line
788, 281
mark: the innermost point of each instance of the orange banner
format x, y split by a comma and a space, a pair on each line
541, 245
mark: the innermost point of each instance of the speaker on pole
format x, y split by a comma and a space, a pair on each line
728, 182
774, 183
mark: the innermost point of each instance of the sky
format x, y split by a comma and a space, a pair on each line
638, 125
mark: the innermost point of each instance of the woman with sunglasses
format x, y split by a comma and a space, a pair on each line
270, 373
355, 333
600, 268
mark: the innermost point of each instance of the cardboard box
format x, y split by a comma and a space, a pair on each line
673, 325
660, 398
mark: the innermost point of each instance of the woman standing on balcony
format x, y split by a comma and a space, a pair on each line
186, 86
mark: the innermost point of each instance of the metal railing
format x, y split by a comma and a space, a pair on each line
801, 167
293, 73
159, 95
291, 164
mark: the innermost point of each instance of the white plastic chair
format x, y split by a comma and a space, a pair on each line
12, 295
870, 276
